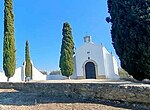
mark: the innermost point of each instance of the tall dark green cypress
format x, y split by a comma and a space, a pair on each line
28, 65
130, 33
67, 49
9, 51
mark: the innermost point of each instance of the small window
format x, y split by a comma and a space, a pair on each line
88, 52
88, 58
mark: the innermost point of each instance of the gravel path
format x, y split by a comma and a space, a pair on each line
61, 106
11, 99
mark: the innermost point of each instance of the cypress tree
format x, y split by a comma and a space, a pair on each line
28, 66
9, 51
67, 50
131, 35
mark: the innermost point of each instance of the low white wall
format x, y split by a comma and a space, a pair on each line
37, 75
17, 76
55, 77
3, 78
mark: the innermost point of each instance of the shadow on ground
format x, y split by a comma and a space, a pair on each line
19, 98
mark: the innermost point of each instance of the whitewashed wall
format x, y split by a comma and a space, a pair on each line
95, 55
37, 75
111, 67
115, 63
16, 78
55, 77
3, 78
19, 75
105, 55
74, 75
106, 62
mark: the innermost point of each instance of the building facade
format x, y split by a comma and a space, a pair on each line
93, 61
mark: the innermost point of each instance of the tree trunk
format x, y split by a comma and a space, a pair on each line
7, 79
69, 77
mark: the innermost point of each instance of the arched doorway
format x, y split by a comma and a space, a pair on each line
90, 70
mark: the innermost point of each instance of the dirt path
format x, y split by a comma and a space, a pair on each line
11, 99
62, 106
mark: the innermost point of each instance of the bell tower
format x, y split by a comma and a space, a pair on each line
87, 39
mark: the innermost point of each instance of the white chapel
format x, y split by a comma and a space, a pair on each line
92, 61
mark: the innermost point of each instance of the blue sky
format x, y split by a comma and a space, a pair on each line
40, 22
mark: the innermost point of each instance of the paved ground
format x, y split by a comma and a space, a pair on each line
130, 82
61, 106
82, 81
